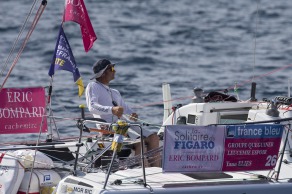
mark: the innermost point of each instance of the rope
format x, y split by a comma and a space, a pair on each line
33, 25
143, 121
16, 40
229, 88
255, 40
263, 75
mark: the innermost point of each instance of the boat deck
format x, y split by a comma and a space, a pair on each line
131, 181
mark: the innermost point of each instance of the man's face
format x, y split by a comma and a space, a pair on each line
110, 72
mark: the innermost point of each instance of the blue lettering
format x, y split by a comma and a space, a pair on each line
189, 145
211, 144
204, 145
194, 145
177, 143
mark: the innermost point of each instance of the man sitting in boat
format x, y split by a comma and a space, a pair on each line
107, 103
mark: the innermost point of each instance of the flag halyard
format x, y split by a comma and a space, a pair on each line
63, 59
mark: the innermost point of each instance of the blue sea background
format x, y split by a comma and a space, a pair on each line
187, 43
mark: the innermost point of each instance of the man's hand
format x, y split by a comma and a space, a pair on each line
134, 116
118, 111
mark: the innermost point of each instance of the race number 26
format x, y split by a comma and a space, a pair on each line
271, 160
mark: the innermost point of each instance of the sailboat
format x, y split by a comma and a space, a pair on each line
217, 144
253, 157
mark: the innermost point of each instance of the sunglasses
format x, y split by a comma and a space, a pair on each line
112, 68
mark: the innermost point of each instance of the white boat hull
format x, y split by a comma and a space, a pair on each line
158, 182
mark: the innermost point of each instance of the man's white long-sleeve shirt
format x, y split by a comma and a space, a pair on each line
99, 100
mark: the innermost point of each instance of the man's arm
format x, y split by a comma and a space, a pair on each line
92, 96
129, 111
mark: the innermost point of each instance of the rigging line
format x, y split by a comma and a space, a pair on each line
17, 39
33, 25
161, 102
261, 76
255, 40
231, 87
143, 121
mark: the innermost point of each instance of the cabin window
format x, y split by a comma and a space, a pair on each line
227, 119
181, 120
192, 119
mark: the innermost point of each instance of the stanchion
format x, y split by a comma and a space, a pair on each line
121, 127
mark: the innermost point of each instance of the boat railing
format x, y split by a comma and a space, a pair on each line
277, 169
120, 128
